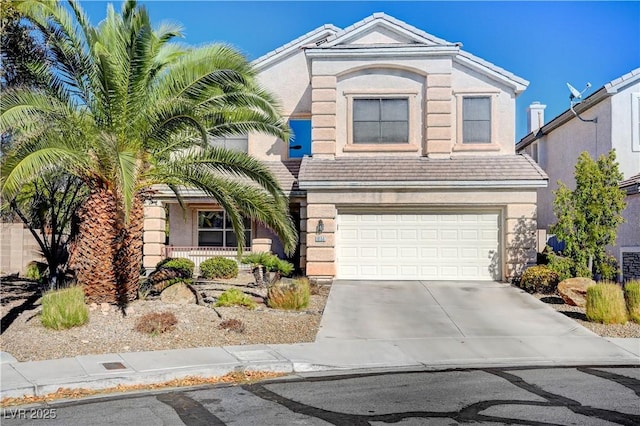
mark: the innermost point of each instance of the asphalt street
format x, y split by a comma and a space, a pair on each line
519, 395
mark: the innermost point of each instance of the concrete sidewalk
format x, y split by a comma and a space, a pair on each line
109, 370
408, 325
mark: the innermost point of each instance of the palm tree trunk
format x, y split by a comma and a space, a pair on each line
128, 254
93, 251
107, 255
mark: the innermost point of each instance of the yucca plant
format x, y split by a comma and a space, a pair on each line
605, 304
126, 108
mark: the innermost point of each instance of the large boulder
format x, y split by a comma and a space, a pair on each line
179, 293
574, 291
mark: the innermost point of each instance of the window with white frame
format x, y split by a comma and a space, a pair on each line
234, 143
380, 120
215, 230
476, 119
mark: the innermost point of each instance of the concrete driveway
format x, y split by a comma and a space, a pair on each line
393, 310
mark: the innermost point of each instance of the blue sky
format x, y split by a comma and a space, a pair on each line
547, 43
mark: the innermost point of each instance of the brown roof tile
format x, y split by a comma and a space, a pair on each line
421, 169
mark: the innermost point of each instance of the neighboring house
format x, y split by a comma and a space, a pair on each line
557, 145
408, 167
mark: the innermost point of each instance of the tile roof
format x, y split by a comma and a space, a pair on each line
286, 173
421, 170
631, 185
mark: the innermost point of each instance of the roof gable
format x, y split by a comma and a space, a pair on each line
317, 36
381, 28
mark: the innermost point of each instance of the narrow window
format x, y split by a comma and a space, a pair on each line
215, 230
476, 124
381, 120
234, 143
300, 142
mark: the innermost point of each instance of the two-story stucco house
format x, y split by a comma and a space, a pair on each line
403, 166
612, 121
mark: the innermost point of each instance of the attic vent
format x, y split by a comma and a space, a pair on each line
319, 42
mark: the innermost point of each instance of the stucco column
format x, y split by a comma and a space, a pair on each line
303, 235
260, 245
321, 231
154, 234
438, 123
323, 112
521, 238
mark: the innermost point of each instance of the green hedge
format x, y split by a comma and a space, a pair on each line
181, 264
539, 279
219, 267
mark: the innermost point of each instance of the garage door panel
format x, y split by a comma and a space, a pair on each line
417, 246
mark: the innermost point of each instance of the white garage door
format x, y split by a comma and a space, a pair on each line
436, 246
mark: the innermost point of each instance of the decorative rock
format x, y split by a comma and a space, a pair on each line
93, 306
179, 293
574, 291
105, 307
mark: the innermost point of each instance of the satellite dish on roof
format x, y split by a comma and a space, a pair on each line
575, 94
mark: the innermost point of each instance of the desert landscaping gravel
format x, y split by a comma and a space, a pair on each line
630, 329
109, 331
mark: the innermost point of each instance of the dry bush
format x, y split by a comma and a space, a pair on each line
632, 297
156, 323
289, 296
65, 308
605, 304
232, 325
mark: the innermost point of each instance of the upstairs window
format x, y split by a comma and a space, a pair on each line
381, 121
234, 143
476, 119
300, 142
215, 230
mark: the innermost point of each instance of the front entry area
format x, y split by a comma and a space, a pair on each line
418, 246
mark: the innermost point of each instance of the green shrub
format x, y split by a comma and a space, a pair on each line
62, 309
219, 267
181, 264
234, 297
35, 271
539, 279
607, 268
632, 297
294, 295
563, 266
605, 304
156, 323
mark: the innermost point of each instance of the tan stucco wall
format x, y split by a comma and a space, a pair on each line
517, 210
558, 153
18, 248
290, 81
321, 87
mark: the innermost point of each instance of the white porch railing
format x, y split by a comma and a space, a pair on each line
199, 254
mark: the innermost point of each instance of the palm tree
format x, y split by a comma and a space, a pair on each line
125, 109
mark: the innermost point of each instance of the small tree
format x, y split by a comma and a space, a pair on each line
588, 217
